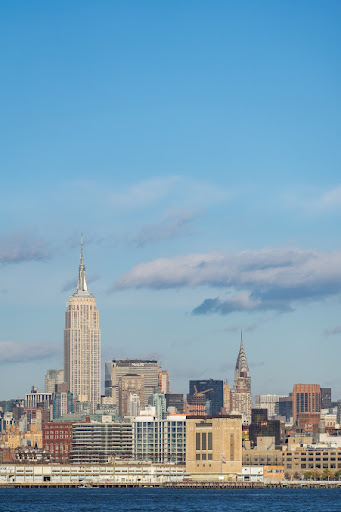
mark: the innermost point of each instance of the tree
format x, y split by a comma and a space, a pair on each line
308, 475
325, 474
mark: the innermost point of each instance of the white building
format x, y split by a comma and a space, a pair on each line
52, 378
82, 344
269, 402
159, 440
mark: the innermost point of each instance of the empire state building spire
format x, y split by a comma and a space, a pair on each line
82, 289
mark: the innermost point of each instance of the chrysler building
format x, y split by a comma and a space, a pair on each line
82, 343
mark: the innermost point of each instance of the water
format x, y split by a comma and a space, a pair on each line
170, 500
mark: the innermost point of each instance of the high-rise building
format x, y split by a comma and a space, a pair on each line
134, 405
130, 384
269, 402
306, 398
116, 369
211, 389
164, 381
52, 378
285, 407
159, 440
82, 343
241, 397
261, 426
326, 398
175, 400
158, 401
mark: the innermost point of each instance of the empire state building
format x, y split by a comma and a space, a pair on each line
82, 343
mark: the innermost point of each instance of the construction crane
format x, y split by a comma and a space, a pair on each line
197, 393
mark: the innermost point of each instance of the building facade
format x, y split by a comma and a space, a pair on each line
52, 378
306, 398
214, 447
116, 369
212, 390
57, 439
82, 344
160, 440
269, 402
130, 384
99, 443
241, 397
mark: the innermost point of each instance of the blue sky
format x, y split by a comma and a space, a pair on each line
197, 147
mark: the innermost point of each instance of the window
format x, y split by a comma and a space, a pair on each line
209, 439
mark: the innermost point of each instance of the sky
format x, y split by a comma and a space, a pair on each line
197, 147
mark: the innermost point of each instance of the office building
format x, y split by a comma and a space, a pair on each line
62, 404
175, 400
285, 407
241, 397
116, 369
130, 384
82, 344
35, 400
57, 439
306, 398
261, 426
158, 401
326, 398
212, 390
52, 378
269, 402
134, 405
164, 381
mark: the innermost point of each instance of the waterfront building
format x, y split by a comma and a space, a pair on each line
214, 447
159, 440
117, 368
82, 343
57, 439
117, 472
52, 378
98, 443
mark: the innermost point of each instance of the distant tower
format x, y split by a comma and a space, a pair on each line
241, 397
82, 343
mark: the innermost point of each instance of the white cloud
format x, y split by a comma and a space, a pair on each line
14, 352
19, 247
270, 278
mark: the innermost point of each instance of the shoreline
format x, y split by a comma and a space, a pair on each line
179, 485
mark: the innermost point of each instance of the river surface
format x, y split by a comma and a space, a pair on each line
170, 500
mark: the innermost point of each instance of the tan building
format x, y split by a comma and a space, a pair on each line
227, 398
82, 344
214, 447
130, 384
306, 398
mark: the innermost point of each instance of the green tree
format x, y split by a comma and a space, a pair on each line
308, 475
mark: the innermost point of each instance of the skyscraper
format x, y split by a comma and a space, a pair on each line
82, 343
241, 397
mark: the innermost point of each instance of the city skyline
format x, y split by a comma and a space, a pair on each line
197, 149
